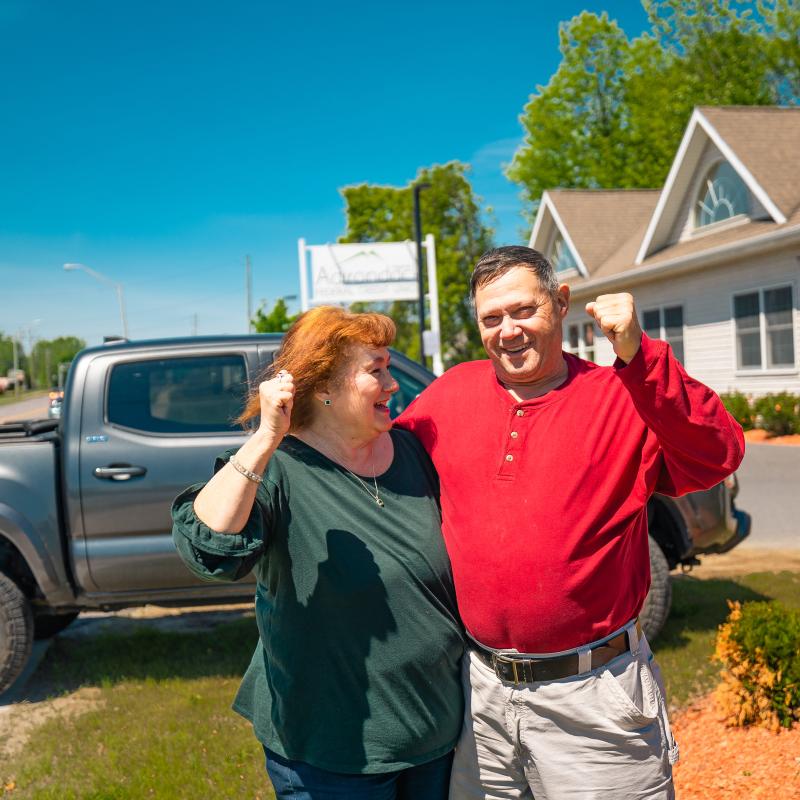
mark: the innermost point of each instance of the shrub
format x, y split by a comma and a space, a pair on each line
779, 414
738, 405
759, 647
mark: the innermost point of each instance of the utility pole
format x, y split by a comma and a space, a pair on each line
418, 187
32, 363
15, 347
248, 285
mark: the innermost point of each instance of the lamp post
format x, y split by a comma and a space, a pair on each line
103, 279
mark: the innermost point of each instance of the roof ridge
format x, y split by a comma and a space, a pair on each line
771, 109
587, 190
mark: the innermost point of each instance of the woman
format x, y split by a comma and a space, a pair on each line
353, 689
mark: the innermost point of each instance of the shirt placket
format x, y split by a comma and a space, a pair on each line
513, 442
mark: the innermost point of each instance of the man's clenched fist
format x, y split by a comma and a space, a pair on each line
616, 316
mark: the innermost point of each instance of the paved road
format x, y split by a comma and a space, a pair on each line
35, 408
770, 491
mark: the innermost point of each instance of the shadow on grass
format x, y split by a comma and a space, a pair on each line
701, 605
143, 654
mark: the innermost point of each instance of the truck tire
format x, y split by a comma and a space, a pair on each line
659, 598
46, 626
16, 631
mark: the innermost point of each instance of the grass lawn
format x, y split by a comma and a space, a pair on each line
684, 646
164, 728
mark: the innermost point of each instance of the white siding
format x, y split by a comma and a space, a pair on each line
709, 335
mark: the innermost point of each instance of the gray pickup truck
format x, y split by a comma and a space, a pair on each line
85, 500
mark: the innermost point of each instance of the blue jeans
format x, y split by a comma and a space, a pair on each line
300, 781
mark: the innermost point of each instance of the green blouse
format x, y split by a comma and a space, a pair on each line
357, 667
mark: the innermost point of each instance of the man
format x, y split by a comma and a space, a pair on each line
546, 464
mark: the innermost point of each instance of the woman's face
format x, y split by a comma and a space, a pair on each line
360, 397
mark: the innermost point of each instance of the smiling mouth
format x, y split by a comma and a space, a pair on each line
381, 406
515, 351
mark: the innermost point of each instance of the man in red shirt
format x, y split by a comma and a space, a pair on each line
546, 465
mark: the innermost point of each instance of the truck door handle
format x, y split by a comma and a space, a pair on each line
119, 472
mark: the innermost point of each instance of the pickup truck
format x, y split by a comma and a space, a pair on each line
85, 499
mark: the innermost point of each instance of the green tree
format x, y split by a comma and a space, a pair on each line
48, 354
613, 113
781, 24
276, 321
7, 355
450, 211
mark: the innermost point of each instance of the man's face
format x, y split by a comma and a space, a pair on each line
520, 326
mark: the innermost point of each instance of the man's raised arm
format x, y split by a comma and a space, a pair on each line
701, 443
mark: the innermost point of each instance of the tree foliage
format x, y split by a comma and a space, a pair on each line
48, 354
450, 211
7, 355
613, 114
277, 320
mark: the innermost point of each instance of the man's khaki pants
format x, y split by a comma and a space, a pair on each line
602, 735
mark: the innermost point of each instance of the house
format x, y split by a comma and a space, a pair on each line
712, 259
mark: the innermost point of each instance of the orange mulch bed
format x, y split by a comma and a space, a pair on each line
759, 436
720, 763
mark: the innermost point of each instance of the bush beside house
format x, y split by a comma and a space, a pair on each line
757, 646
777, 414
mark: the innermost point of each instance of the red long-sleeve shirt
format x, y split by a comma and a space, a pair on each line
544, 501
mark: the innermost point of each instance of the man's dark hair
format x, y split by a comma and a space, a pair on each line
496, 262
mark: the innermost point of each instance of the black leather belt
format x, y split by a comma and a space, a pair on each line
514, 668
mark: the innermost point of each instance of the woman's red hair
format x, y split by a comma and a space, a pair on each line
314, 351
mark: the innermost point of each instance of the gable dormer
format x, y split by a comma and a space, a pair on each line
709, 187
551, 237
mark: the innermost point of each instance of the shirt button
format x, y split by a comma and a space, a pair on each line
514, 434
520, 412
509, 457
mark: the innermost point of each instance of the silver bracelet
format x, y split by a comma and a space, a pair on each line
251, 476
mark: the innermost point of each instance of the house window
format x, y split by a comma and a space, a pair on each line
666, 323
580, 340
764, 328
561, 256
588, 341
573, 339
722, 195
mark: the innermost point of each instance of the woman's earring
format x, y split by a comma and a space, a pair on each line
326, 402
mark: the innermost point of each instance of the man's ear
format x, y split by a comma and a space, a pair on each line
562, 300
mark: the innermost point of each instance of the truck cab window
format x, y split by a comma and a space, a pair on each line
202, 394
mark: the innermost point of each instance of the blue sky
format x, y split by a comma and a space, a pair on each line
161, 142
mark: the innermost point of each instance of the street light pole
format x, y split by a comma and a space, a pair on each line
103, 279
418, 187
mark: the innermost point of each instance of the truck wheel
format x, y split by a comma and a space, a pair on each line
16, 631
48, 625
659, 598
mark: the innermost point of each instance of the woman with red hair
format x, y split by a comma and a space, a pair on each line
353, 689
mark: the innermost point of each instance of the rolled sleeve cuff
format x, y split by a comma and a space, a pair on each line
640, 366
212, 555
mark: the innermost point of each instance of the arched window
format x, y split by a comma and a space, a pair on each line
561, 256
722, 195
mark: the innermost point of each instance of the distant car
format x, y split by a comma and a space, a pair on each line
56, 401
